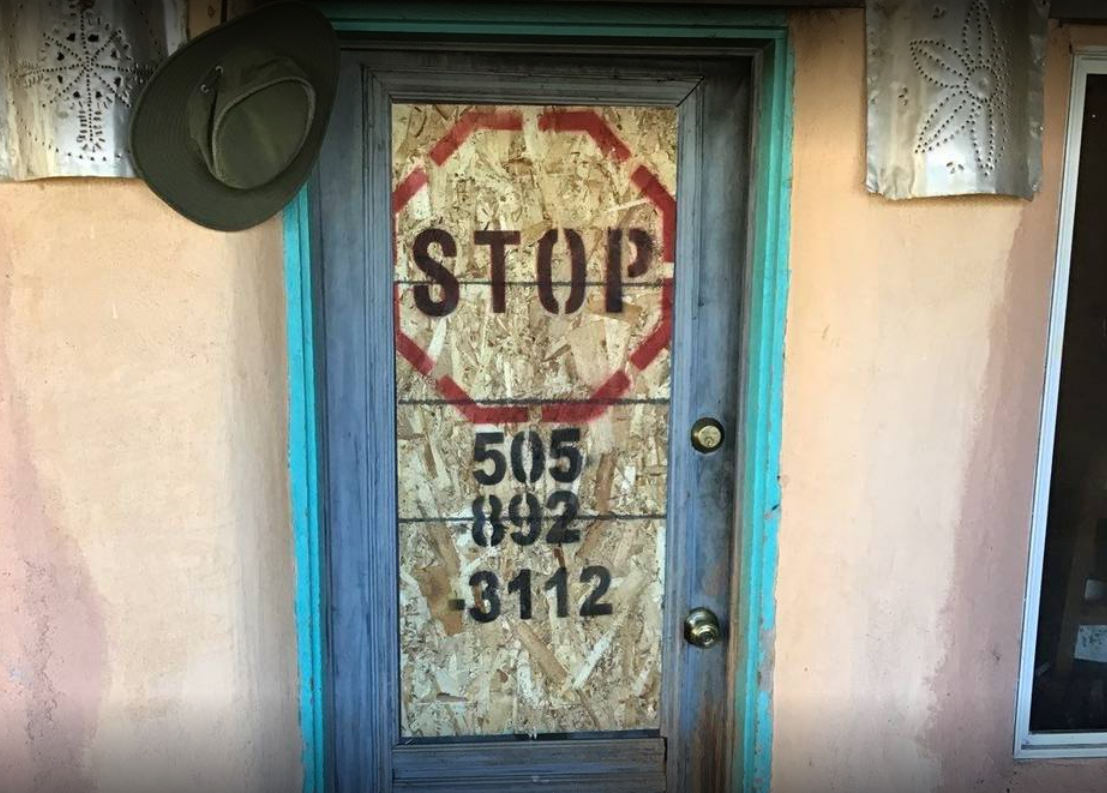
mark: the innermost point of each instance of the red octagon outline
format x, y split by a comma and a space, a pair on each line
617, 384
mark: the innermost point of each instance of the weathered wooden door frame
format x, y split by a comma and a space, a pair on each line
765, 37
692, 749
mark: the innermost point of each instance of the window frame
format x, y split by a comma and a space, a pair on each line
1051, 745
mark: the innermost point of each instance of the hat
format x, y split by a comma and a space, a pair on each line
228, 127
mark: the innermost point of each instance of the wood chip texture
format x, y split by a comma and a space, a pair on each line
524, 370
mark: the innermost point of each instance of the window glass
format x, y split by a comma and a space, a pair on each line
1070, 675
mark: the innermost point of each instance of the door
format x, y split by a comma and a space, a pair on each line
531, 362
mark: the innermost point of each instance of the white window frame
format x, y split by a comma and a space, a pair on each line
1029, 744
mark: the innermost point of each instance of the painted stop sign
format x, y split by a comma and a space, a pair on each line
432, 234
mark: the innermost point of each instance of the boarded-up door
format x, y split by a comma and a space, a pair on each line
531, 271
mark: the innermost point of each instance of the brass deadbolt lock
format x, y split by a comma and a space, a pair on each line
707, 435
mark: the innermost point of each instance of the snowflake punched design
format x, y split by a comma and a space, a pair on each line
85, 66
974, 88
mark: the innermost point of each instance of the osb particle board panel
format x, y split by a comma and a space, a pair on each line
532, 409
527, 351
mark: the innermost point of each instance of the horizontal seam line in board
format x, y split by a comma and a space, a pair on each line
607, 517
537, 401
488, 282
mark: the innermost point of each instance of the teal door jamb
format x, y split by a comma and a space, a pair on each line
762, 404
303, 467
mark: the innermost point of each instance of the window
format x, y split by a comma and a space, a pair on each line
1062, 708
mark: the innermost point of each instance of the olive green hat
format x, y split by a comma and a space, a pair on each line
228, 128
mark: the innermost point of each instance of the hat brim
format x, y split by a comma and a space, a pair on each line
162, 150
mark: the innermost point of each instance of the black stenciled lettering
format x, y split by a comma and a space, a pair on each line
613, 282
482, 453
532, 520
577, 271
537, 456
559, 582
643, 252
487, 602
560, 533
521, 584
488, 605
563, 448
482, 521
497, 242
545, 272
434, 270
592, 607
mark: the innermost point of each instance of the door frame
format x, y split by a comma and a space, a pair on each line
759, 492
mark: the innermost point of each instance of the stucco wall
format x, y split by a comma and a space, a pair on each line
145, 558
146, 571
915, 352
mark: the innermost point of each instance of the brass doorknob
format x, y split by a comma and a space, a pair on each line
701, 628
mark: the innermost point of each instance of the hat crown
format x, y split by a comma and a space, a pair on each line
228, 127
250, 116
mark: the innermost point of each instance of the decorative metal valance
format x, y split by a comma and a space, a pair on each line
69, 72
955, 96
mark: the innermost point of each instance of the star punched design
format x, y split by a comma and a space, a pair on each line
84, 66
973, 88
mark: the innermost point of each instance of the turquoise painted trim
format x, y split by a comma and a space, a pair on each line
763, 411
553, 19
304, 484
763, 408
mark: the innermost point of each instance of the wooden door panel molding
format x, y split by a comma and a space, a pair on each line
631, 764
707, 373
358, 482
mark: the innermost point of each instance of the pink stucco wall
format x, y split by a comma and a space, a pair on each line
915, 352
146, 572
